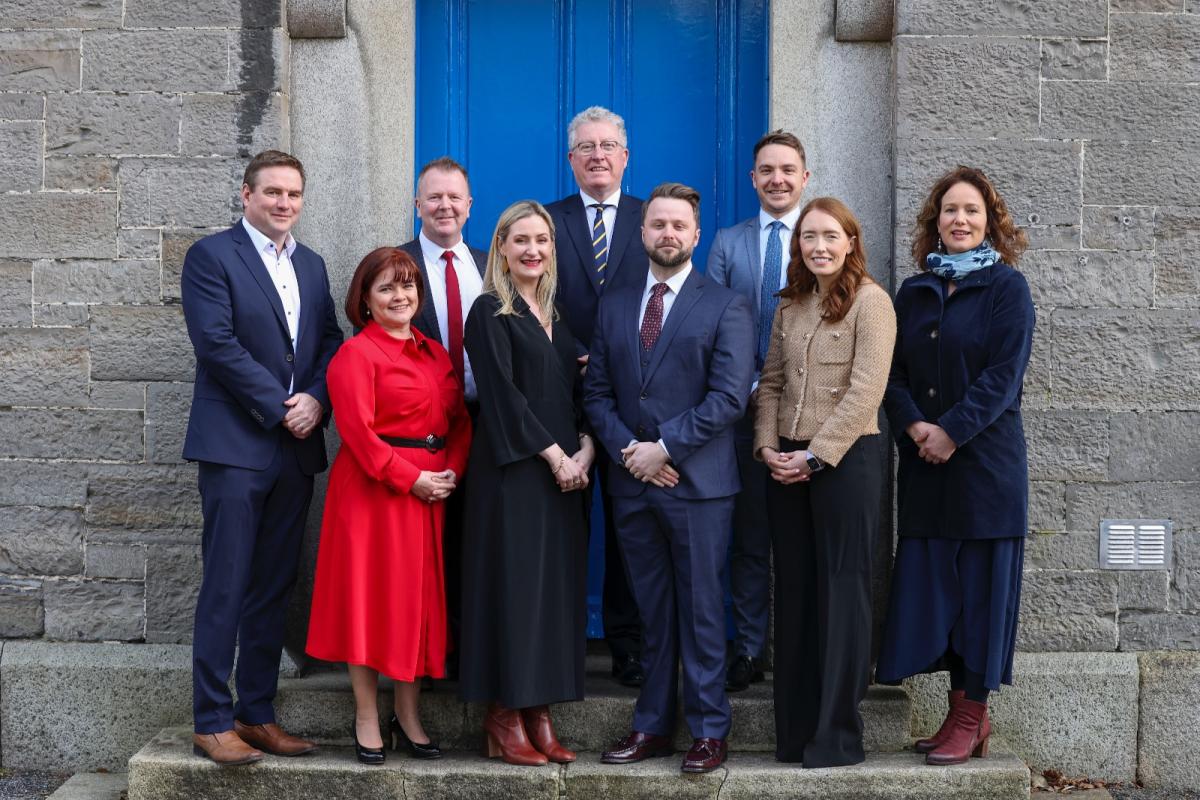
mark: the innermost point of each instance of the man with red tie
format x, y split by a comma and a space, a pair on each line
453, 275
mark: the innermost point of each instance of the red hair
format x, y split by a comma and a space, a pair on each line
375, 263
836, 303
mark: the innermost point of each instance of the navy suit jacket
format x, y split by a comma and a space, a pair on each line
688, 390
426, 321
579, 287
244, 357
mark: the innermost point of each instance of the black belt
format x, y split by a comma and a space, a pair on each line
431, 443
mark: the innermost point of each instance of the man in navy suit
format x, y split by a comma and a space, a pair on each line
597, 251
667, 380
752, 259
263, 327
453, 274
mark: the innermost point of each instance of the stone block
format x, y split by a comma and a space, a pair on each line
1118, 227
43, 367
1169, 750
1039, 180
93, 611
108, 124
1156, 6
39, 61
81, 173
36, 483
1176, 273
1069, 110
118, 697
1086, 18
1090, 279
20, 608
1074, 59
167, 409
1143, 590
20, 156
940, 85
22, 106
96, 281
140, 343
1155, 447
61, 315
175, 245
1073, 550
1065, 610
1073, 712
1140, 173
41, 541
117, 394
1047, 506
1052, 237
203, 192
93, 786
202, 14
259, 62
173, 573
232, 124
1154, 47
143, 498
60, 14
122, 561
1067, 445
1185, 586
69, 433
1039, 378
157, 60
57, 225
1159, 631
1127, 360
16, 293
1088, 503
140, 243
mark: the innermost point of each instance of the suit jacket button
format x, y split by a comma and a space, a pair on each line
932, 392
643, 395
290, 357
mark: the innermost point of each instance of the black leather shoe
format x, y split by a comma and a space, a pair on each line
400, 739
373, 756
628, 671
742, 672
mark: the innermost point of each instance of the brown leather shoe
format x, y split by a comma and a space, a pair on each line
637, 746
272, 739
226, 748
506, 738
705, 755
540, 729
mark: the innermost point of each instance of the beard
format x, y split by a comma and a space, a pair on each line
681, 257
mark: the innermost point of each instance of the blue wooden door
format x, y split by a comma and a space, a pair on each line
497, 83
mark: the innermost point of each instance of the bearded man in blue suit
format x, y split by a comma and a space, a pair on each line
263, 327
669, 375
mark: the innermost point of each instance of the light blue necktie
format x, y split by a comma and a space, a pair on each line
772, 266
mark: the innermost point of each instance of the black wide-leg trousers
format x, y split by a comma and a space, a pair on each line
821, 533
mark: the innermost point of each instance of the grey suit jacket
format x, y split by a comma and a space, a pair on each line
734, 261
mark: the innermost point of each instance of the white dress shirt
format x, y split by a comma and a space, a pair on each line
785, 238
283, 275
610, 213
470, 285
674, 284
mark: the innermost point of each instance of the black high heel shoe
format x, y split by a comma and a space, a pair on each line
428, 750
372, 756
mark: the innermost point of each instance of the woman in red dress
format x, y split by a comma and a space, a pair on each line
379, 601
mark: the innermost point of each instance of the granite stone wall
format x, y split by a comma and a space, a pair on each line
124, 128
1087, 115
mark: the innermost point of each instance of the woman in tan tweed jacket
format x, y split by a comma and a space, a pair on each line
816, 428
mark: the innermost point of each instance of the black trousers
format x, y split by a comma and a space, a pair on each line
821, 533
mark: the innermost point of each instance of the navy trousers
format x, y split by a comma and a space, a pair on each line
253, 528
675, 555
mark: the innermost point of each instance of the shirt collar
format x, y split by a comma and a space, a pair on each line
612, 200
433, 251
788, 219
262, 241
674, 283
390, 345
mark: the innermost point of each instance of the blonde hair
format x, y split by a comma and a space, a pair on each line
498, 282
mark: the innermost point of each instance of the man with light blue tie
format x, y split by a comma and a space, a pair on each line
752, 258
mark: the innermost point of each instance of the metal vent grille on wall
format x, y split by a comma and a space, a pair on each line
1135, 544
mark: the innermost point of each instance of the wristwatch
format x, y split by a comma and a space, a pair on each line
814, 464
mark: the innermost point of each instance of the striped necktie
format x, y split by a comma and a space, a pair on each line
599, 241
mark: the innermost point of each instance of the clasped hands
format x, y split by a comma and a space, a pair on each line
788, 467
303, 415
571, 472
434, 486
933, 444
648, 462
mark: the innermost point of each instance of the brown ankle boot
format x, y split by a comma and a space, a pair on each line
506, 738
926, 745
541, 733
968, 735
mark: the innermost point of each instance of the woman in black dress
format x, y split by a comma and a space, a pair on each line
525, 533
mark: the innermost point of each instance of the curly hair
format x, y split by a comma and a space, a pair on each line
836, 303
1009, 240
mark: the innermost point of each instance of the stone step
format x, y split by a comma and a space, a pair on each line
93, 786
166, 769
321, 707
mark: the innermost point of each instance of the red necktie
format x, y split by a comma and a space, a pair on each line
454, 320
653, 318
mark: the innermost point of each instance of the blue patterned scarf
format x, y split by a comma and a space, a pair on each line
956, 266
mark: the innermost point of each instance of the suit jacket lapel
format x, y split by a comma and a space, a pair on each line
753, 256
581, 237
634, 332
628, 220
427, 311
253, 261
689, 294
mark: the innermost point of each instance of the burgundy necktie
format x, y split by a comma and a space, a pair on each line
653, 318
454, 320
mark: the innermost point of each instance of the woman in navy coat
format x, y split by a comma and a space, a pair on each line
965, 328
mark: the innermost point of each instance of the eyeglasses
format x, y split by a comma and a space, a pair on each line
608, 146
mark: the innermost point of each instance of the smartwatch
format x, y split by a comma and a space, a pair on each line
814, 464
